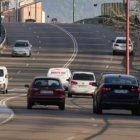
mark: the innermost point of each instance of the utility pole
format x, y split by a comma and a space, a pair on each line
73, 10
0, 19
127, 37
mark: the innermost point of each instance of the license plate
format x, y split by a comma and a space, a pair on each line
121, 91
46, 92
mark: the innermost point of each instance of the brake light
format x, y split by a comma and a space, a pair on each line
34, 90
60, 91
137, 90
92, 83
105, 89
74, 83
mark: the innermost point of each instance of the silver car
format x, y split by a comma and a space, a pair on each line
22, 48
82, 83
119, 45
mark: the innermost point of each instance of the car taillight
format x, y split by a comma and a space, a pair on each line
137, 90
92, 83
74, 83
34, 90
105, 89
60, 91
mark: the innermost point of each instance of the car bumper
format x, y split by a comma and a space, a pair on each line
20, 54
123, 104
50, 101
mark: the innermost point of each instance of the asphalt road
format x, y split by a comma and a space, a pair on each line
79, 47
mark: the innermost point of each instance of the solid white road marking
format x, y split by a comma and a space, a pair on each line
75, 46
9, 113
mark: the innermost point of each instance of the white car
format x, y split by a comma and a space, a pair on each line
63, 74
22, 48
82, 83
3, 79
119, 45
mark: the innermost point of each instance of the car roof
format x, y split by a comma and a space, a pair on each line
39, 77
116, 75
86, 72
3, 67
121, 37
22, 40
60, 69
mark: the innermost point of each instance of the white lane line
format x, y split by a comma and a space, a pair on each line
74, 43
70, 138
6, 111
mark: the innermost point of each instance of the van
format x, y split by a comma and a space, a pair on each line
3, 79
64, 74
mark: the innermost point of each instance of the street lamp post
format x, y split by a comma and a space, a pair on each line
0, 19
127, 37
73, 10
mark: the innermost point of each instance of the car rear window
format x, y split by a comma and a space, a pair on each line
1, 73
121, 80
47, 83
21, 44
122, 41
82, 76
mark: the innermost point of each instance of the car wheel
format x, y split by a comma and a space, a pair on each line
4, 90
132, 53
114, 52
97, 108
62, 106
69, 95
94, 107
29, 105
135, 112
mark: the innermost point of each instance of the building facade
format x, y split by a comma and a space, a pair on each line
64, 11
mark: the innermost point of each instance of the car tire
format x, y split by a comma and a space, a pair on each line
114, 52
97, 108
29, 105
69, 95
62, 106
135, 112
132, 53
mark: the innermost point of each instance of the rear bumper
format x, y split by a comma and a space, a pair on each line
120, 105
46, 101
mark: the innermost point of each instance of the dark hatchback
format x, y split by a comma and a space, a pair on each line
46, 91
117, 91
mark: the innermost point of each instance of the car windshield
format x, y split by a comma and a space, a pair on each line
21, 44
46, 83
1, 73
121, 80
82, 76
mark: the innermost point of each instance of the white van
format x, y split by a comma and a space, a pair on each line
3, 79
62, 73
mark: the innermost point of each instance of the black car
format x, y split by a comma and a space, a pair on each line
117, 91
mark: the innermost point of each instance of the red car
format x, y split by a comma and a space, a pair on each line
46, 91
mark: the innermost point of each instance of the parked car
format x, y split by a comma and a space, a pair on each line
119, 45
117, 91
22, 48
46, 91
3, 79
62, 73
82, 83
